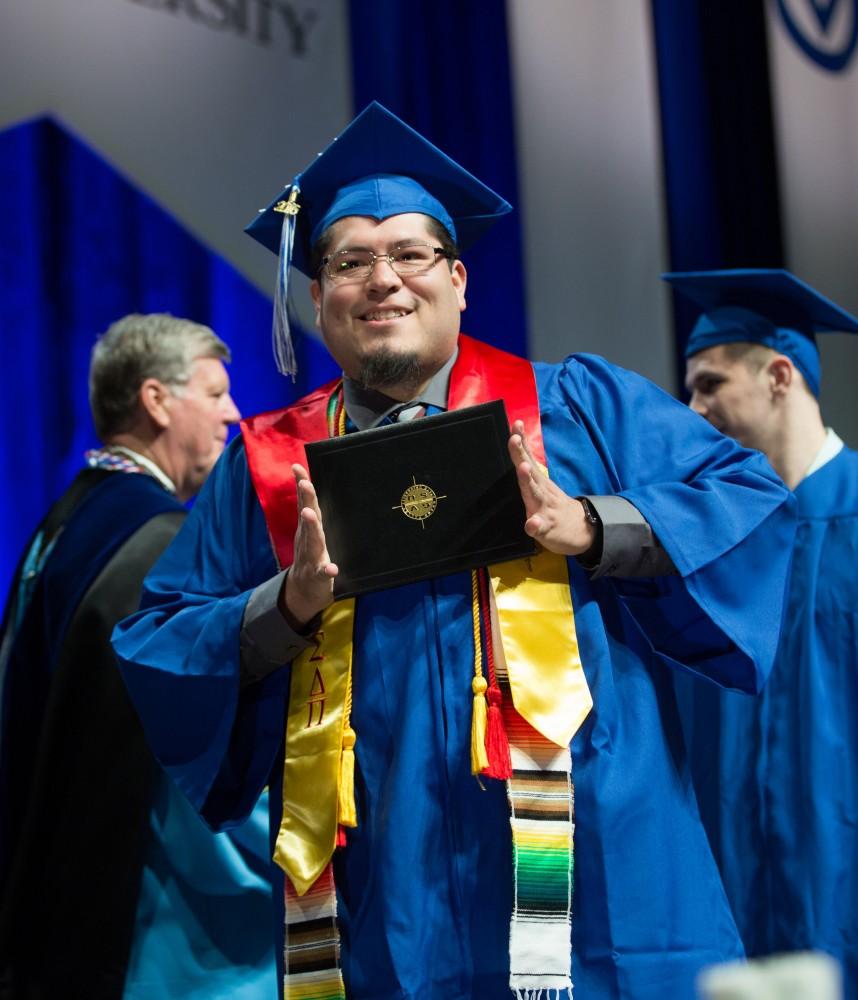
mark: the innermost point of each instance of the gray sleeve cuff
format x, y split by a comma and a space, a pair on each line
629, 545
267, 640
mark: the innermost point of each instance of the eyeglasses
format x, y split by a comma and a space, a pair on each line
408, 259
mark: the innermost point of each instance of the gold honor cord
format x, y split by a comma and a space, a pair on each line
314, 737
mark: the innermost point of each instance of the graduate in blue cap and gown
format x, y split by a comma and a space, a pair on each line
777, 775
427, 738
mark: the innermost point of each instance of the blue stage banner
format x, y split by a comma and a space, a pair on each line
444, 68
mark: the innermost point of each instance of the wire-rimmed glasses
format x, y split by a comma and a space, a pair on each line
405, 259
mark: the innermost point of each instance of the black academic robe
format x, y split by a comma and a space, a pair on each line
76, 775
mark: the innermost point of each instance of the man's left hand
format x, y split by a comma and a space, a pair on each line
557, 521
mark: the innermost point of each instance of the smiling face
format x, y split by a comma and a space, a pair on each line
201, 412
390, 332
733, 392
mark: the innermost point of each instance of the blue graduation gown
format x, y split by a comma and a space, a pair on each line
425, 884
777, 775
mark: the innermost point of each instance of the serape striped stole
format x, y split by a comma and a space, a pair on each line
542, 817
312, 946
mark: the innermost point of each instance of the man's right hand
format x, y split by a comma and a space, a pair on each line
309, 586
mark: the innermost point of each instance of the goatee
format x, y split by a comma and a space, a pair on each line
385, 368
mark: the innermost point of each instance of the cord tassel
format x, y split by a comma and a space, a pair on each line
479, 759
346, 811
497, 745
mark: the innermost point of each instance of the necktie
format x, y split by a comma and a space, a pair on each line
411, 411
406, 412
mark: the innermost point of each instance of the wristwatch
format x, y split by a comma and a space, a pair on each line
593, 556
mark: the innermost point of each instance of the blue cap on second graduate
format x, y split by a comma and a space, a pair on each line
766, 306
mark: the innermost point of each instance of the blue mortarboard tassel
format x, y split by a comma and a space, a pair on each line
281, 336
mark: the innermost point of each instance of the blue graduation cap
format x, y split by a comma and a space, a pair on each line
766, 306
378, 167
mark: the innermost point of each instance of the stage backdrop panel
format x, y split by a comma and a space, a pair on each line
814, 55
590, 180
209, 107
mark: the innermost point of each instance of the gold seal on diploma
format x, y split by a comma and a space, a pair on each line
419, 501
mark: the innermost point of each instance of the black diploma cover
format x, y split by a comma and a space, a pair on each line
419, 499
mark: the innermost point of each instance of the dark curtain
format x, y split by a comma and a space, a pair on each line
83, 247
720, 167
444, 68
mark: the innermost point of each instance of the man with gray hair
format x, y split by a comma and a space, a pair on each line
110, 886
158, 387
